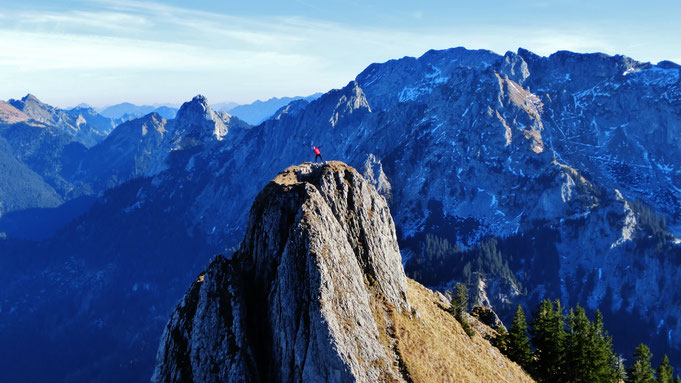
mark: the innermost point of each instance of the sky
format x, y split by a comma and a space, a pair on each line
103, 52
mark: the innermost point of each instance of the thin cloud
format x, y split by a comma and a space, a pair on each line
86, 18
44, 52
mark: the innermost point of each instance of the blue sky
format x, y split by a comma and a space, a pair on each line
108, 51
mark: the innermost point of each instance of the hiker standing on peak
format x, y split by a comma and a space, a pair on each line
317, 154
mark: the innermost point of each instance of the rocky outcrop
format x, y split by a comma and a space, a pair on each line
314, 293
487, 316
295, 300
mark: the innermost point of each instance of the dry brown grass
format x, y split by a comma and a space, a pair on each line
10, 114
435, 347
293, 175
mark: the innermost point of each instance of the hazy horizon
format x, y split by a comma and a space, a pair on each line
154, 104
105, 52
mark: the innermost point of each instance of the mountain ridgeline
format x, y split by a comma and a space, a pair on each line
259, 111
526, 177
317, 293
83, 124
60, 168
126, 111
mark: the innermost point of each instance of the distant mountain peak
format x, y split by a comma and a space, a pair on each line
666, 64
342, 104
292, 109
30, 97
38, 110
260, 111
126, 111
84, 125
198, 106
30, 101
224, 106
201, 99
140, 127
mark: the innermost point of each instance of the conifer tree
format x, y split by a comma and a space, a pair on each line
548, 338
620, 369
641, 371
665, 373
677, 379
578, 350
460, 308
460, 301
605, 361
501, 340
518, 341
589, 356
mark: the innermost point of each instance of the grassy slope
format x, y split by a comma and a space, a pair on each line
434, 347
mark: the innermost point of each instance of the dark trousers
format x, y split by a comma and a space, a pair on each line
320, 157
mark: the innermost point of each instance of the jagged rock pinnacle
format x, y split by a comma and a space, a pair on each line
197, 106
197, 122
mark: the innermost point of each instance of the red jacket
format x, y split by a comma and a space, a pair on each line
316, 150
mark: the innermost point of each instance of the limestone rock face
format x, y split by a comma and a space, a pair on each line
204, 341
373, 172
196, 119
294, 303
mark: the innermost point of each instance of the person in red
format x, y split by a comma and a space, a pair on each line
317, 153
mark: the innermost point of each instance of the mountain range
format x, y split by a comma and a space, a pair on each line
253, 113
259, 111
537, 177
83, 124
126, 111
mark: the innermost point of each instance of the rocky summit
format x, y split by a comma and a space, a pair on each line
316, 292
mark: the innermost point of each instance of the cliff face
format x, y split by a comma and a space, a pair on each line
293, 304
315, 293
